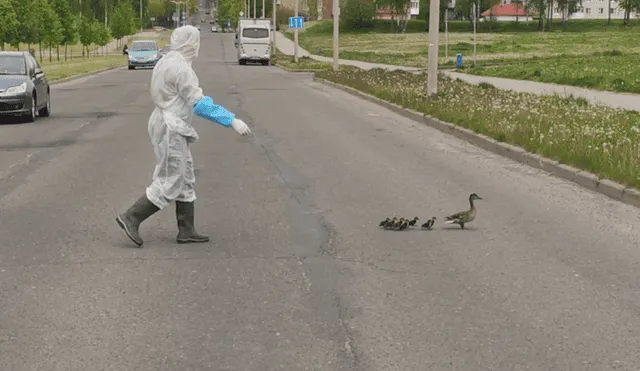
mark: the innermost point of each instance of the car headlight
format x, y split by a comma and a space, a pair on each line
17, 89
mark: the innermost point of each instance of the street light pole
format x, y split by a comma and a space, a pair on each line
336, 34
273, 16
255, 2
295, 35
432, 68
141, 24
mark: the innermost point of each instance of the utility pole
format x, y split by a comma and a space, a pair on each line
273, 16
295, 35
255, 15
262, 8
186, 10
141, 24
432, 68
475, 26
336, 34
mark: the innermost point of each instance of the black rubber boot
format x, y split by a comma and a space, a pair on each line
137, 213
185, 215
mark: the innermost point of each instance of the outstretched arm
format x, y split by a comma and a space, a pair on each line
208, 110
203, 106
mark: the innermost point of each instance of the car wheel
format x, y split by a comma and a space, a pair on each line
46, 111
31, 116
132, 68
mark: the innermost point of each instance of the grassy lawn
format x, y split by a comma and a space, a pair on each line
599, 139
162, 40
305, 64
78, 66
603, 72
602, 58
410, 49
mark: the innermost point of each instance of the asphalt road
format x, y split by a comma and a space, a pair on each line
297, 275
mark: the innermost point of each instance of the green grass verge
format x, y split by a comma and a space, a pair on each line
613, 72
597, 139
78, 66
410, 49
305, 64
162, 40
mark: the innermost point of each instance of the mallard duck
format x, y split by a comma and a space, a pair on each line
414, 221
429, 223
464, 217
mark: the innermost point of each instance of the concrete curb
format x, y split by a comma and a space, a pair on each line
585, 179
75, 77
291, 70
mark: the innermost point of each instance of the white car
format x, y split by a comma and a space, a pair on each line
198, 27
214, 28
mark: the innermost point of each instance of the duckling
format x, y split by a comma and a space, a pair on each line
396, 226
463, 217
384, 222
414, 221
429, 223
405, 224
391, 223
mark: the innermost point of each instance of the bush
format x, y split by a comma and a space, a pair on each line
357, 14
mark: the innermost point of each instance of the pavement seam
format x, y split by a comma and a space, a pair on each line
590, 181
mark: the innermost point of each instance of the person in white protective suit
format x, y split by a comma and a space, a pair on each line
176, 93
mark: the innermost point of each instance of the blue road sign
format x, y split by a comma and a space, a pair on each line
459, 60
296, 22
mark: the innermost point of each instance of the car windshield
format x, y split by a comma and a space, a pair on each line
12, 65
143, 46
255, 33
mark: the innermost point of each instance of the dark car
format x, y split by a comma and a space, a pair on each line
24, 89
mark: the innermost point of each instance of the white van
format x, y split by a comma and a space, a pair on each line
253, 41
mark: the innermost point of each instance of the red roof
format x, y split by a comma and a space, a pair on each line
507, 10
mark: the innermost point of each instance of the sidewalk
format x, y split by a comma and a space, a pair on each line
605, 98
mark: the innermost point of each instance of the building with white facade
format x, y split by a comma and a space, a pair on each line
509, 10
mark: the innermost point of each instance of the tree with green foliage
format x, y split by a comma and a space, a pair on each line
86, 34
68, 24
26, 15
229, 9
49, 27
101, 34
157, 8
357, 14
8, 23
122, 21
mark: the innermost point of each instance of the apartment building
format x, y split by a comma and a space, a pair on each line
587, 9
596, 9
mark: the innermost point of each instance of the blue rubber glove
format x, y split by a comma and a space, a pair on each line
208, 110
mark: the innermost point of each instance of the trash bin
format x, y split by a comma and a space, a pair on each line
459, 60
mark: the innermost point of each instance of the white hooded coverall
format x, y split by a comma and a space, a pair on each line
174, 91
